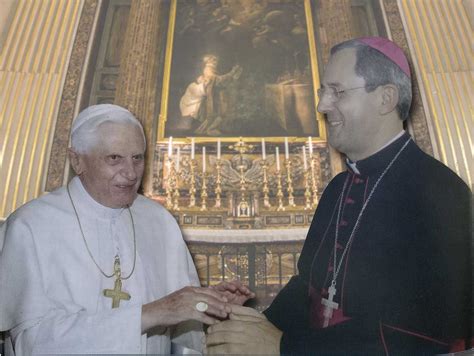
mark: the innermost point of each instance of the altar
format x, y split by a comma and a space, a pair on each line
263, 259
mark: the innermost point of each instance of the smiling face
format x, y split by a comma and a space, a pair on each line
353, 119
112, 170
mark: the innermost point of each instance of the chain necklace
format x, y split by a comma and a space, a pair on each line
328, 303
117, 272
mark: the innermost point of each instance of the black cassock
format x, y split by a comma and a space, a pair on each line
404, 285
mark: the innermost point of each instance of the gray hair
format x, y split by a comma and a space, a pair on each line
377, 70
84, 128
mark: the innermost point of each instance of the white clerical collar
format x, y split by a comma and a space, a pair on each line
87, 204
353, 165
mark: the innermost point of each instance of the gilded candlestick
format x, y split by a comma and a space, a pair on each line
169, 184
243, 207
266, 199
203, 192
314, 178
291, 199
192, 188
279, 192
307, 191
175, 188
218, 189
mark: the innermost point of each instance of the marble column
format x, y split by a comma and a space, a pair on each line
334, 25
57, 167
137, 84
417, 121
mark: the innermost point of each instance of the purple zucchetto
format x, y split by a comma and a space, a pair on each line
390, 50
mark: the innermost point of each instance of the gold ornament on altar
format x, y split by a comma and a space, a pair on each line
241, 147
235, 183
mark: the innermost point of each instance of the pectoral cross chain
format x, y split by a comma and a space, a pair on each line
329, 305
116, 294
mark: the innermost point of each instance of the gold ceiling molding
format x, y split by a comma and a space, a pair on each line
32, 69
439, 34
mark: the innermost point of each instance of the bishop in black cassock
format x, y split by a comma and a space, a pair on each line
404, 282
385, 268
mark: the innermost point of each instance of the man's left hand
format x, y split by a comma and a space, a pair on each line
234, 291
247, 332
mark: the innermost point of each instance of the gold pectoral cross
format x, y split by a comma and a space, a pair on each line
116, 294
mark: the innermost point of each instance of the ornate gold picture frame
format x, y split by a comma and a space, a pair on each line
241, 68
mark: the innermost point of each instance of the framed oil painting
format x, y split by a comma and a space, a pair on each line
240, 68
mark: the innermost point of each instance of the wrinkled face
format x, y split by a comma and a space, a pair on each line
353, 119
112, 170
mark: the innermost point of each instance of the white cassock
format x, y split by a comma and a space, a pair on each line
51, 292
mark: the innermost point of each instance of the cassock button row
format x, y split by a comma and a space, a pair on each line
343, 223
339, 246
349, 201
358, 180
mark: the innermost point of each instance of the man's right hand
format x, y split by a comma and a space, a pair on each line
181, 306
248, 332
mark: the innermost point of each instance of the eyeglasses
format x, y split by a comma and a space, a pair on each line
334, 94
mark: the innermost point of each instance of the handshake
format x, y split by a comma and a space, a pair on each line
232, 328
246, 332
243, 330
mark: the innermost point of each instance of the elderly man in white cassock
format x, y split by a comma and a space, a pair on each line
94, 267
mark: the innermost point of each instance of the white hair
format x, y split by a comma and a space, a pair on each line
84, 131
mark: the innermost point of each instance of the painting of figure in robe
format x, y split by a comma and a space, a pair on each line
239, 68
208, 99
